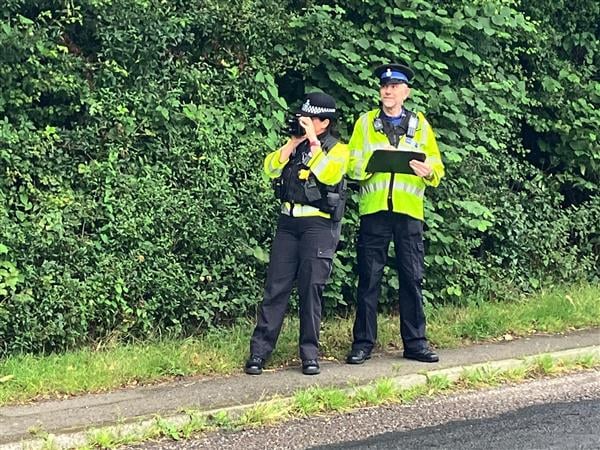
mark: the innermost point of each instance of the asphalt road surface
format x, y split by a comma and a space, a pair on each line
548, 426
556, 413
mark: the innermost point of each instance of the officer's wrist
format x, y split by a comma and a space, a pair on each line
314, 143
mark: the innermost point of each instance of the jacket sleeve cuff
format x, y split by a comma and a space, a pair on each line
272, 166
434, 181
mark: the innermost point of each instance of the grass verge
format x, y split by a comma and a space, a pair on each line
25, 378
317, 401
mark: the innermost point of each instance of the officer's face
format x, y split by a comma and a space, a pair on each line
319, 124
393, 94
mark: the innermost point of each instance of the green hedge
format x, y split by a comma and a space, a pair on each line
132, 134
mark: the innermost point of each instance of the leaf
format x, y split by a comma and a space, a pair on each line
273, 91
406, 13
260, 254
470, 11
25, 20
363, 42
498, 20
163, 111
6, 378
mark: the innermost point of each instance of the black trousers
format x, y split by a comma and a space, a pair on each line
303, 250
375, 234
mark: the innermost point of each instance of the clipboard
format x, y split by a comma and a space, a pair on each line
395, 161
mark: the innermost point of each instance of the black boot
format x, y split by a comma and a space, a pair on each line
254, 365
310, 367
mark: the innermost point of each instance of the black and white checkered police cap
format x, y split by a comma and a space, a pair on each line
318, 104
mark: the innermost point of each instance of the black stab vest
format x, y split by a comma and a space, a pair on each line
289, 188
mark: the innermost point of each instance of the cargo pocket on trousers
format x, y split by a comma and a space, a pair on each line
325, 256
419, 261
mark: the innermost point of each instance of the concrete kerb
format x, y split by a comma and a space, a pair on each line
141, 427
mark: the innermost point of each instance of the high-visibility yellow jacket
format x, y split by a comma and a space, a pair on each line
328, 167
378, 191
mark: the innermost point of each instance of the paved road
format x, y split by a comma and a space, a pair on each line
482, 419
571, 425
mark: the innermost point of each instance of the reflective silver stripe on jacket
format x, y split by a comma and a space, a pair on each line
368, 147
424, 133
301, 210
382, 186
320, 166
357, 153
325, 160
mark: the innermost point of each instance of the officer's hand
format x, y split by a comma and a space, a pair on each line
295, 140
421, 169
307, 124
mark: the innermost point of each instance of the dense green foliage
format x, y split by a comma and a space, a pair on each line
132, 134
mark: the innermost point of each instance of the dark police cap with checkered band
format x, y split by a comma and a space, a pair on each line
318, 104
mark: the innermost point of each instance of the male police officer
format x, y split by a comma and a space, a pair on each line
308, 176
391, 207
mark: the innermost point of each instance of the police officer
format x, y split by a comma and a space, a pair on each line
307, 174
391, 208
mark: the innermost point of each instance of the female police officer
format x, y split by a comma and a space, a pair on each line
307, 174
